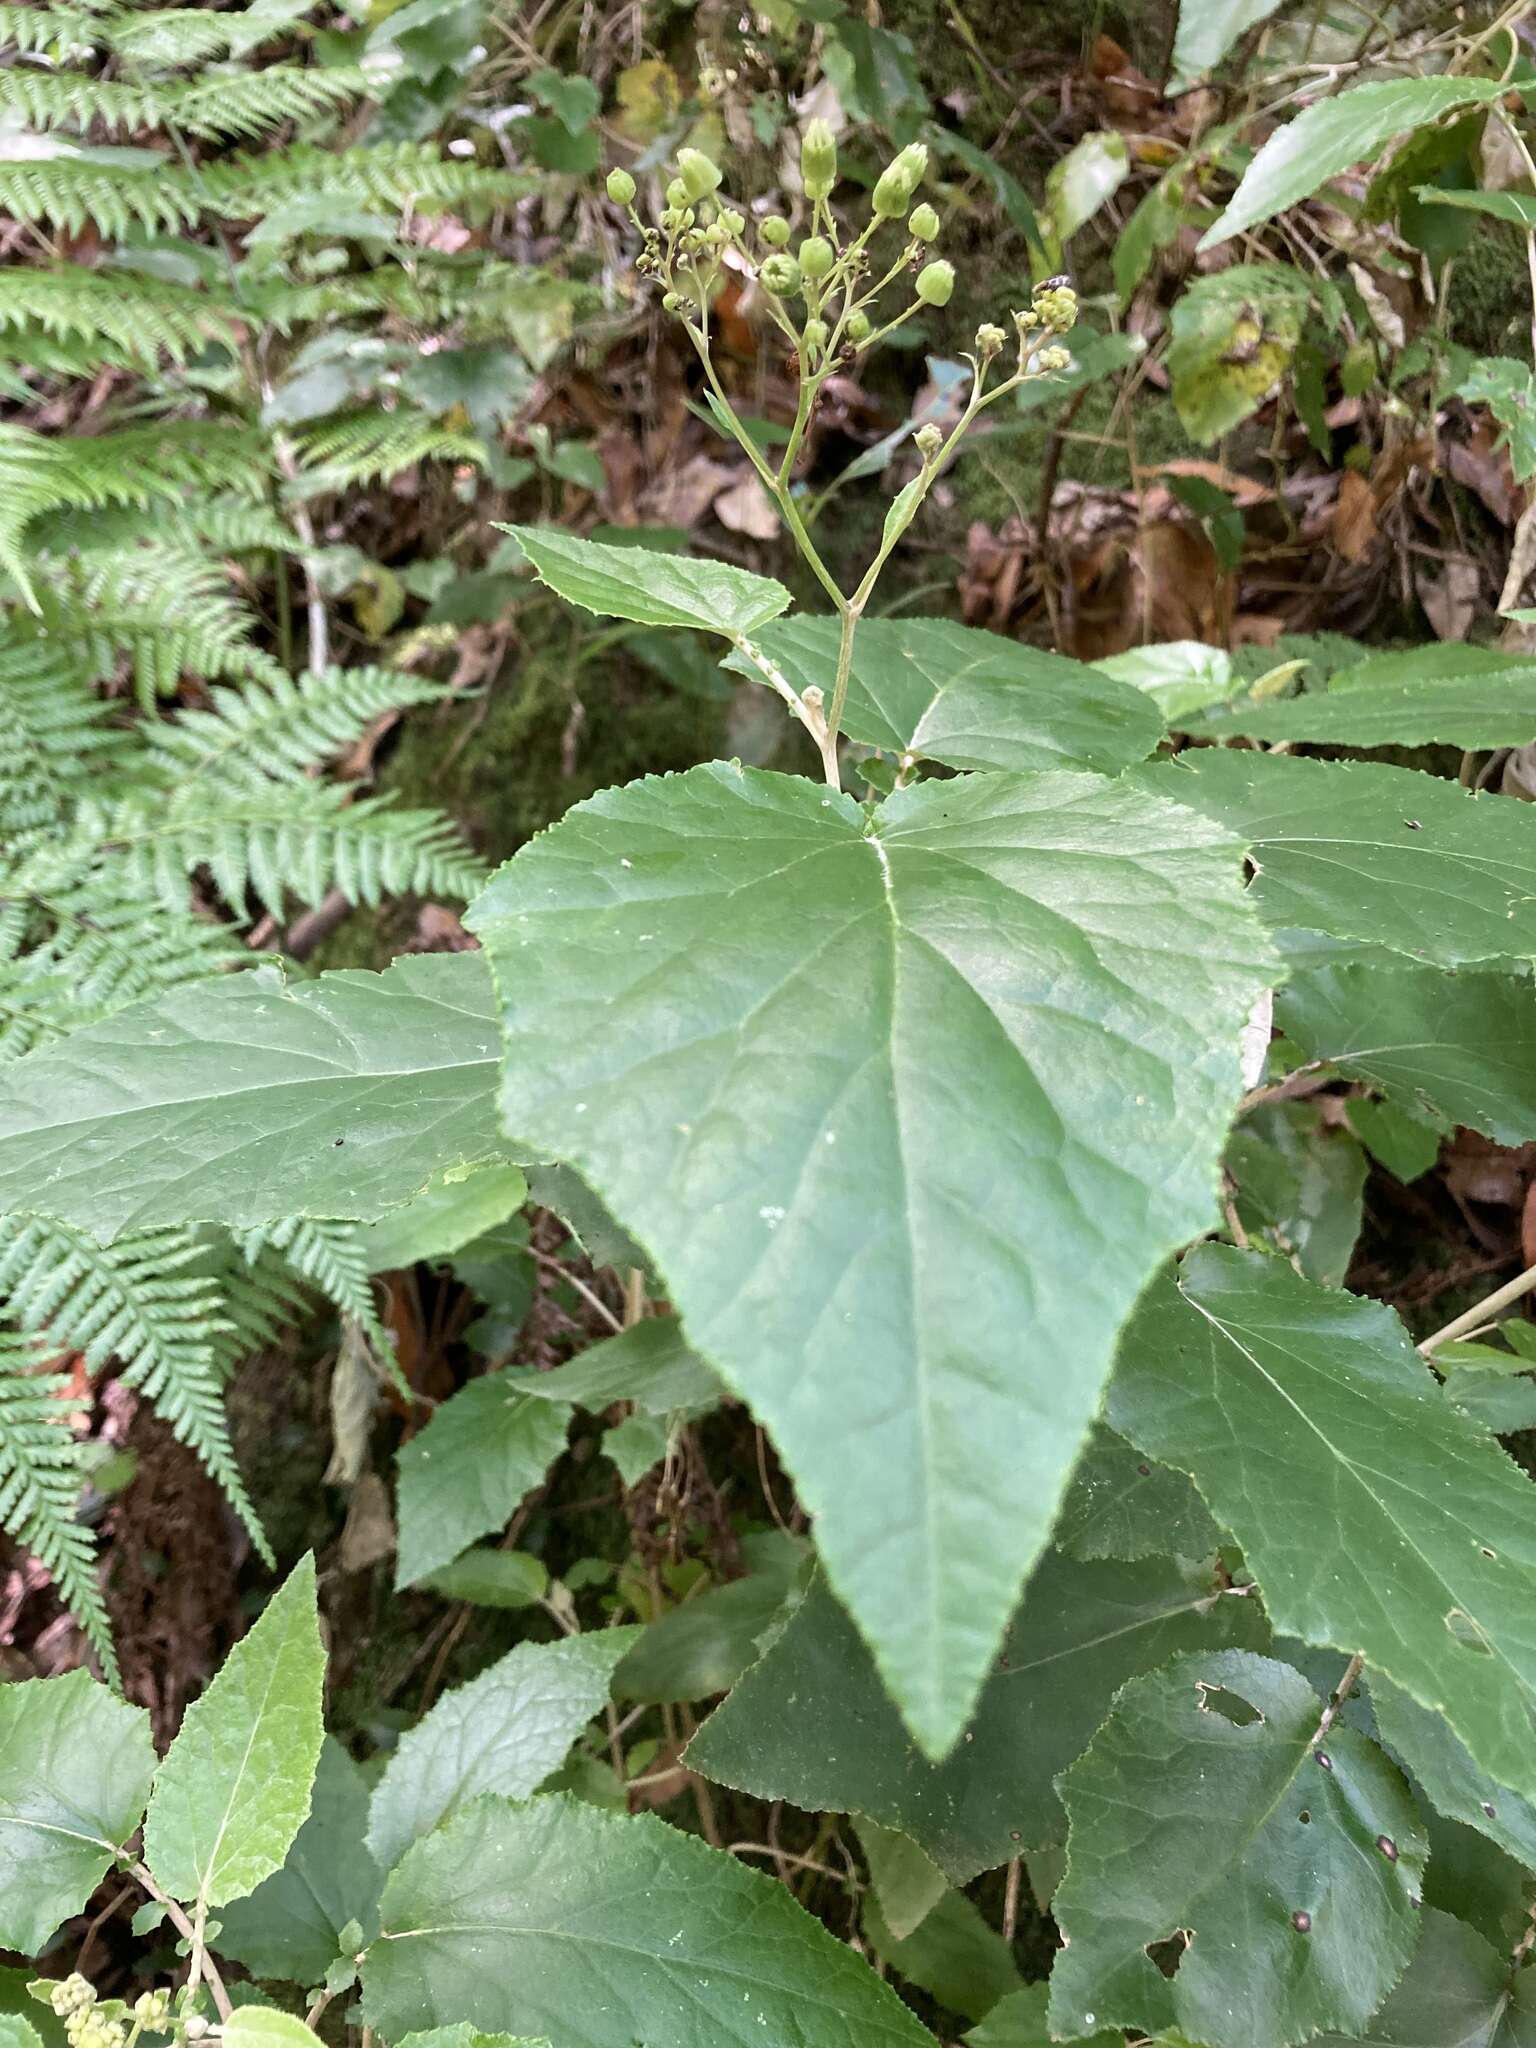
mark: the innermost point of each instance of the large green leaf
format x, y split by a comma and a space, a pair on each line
874, 1093
942, 692
1207, 1812
812, 1724
465, 2036
291, 1925
1327, 138
1376, 1517
1458, 1993
245, 1099
75, 1766
481, 1454
1456, 696
1448, 1774
503, 1732
234, 1788
651, 588
1297, 1182
1464, 1044
601, 1931
1362, 851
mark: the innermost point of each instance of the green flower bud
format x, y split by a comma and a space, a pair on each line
1056, 306
924, 223
989, 340
670, 301
815, 337
621, 188
733, 223
818, 160
899, 180
817, 257
678, 195
780, 275
1054, 359
774, 230
928, 441
936, 283
699, 177
858, 328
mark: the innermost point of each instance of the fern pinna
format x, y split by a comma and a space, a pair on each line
166, 712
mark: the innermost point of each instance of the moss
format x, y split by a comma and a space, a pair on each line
1489, 303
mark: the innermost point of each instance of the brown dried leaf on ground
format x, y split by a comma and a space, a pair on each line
1448, 591
1354, 516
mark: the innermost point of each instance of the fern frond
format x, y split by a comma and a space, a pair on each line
172, 38
136, 466
64, 33
75, 192
330, 1257
289, 840
40, 1484
369, 447
74, 946
54, 737
240, 105
137, 1301
277, 729
141, 319
227, 106
260, 1298
217, 524
168, 610
390, 174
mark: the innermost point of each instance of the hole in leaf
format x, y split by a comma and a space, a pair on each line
1490, 1809
1167, 1954
1216, 1699
1467, 1632
1302, 1922
1304, 1817
1487, 1552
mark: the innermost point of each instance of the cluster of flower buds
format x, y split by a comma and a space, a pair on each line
830, 274
92, 2022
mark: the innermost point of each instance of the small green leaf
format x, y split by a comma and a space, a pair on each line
1327, 138
574, 101
456, 1206
600, 1930
1458, 1993
1207, 1813
812, 1724
292, 1925
1078, 184
483, 1452
233, 1790
1179, 676
906, 1883
650, 1364
1469, 697
503, 1732
465, 2036
942, 692
1122, 1505
246, 1099
1207, 30
1406, 1142
491, 1578
1462, 1045
1383, 855
1298, 1181
1320, 1438
1085, 959
952, 1954
1518, 208
703, 1646
1233, 335
260, 2026
651, 589
636, 1446
1020, 2021
16, 2032
75, 1766
1442, 1765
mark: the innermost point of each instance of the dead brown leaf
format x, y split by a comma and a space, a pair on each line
1354, 516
